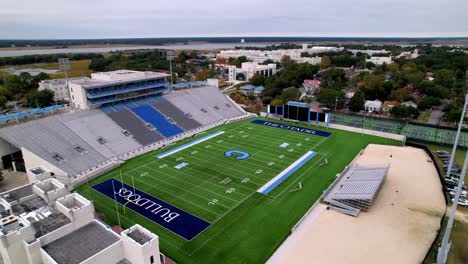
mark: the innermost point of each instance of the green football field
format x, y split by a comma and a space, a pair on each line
246, 226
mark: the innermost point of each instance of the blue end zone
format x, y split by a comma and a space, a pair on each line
179, 148
292, 128
170, 217
288, 173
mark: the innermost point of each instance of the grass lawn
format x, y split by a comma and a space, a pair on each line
246, 226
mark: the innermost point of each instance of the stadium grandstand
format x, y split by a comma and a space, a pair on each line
84, 143
356, 189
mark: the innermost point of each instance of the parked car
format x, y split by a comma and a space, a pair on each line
462, 201
442, 152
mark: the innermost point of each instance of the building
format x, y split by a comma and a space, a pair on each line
58, 86
373, 106
388, 105
114, 86
380, 60
356, 189
276, 55
43, 223
410, 104
249, 69
311, 86
252, 90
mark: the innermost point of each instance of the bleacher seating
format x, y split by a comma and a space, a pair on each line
152, 116
175, 113
130, 122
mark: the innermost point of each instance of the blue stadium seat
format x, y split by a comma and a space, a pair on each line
152, 116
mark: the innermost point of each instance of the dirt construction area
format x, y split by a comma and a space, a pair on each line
399, 228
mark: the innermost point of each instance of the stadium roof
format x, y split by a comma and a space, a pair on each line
50, 139
188, 84
81, 244
358, 183
104, 79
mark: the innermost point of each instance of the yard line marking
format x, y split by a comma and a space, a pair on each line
188, 145
201, 188
177, 197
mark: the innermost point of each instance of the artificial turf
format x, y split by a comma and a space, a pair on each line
246, 226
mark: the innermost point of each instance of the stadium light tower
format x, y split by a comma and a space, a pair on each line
169, 57
64, 65
445, 245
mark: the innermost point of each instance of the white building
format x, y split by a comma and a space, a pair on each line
42, 223
380, 60
373, 106
58, 86
249, 69
114, 86
276, 55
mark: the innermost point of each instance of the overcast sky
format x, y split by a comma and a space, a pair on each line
192, 18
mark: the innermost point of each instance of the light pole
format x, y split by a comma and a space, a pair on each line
64, 65
169, 57
445, 245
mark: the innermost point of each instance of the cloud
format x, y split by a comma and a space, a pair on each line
152, 18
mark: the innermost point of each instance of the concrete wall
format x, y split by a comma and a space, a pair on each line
78, 96
31, 160
367, 132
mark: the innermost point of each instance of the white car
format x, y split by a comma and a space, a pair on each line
462, 202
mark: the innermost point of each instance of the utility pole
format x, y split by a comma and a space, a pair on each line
64, 65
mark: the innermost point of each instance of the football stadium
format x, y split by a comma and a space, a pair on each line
188, 169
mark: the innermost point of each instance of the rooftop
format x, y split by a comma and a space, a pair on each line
81, 244
139, 236
252, 87
103, 79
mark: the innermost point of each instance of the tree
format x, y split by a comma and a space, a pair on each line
326, 62
356, 103
374, 87
290, 94
333, 78
40, 98
257, 80
444, 77
285, 60
329, 97
276, 102
428, 102
3, 100
404, 112
239, 98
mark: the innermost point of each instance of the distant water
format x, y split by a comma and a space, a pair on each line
204, 46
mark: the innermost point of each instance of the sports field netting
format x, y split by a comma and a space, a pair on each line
411, 131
